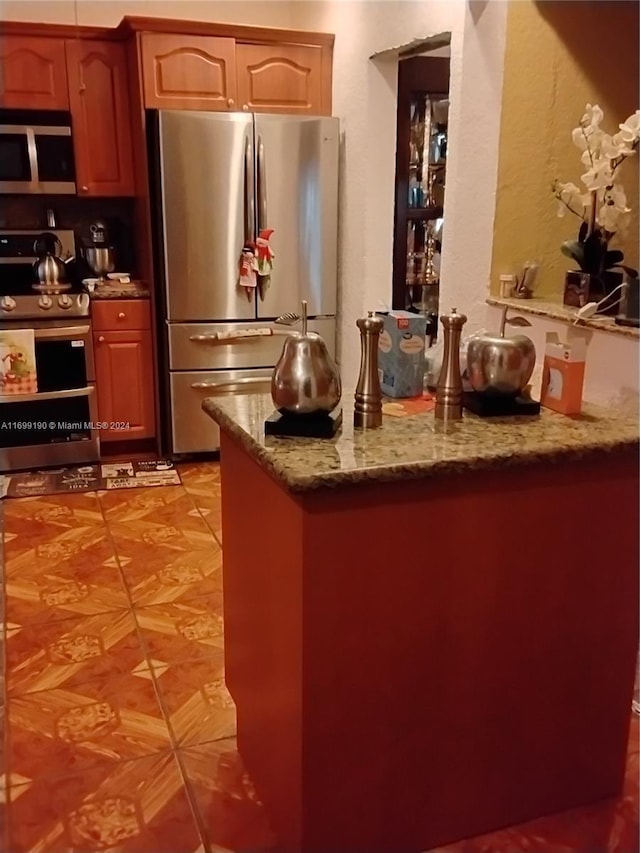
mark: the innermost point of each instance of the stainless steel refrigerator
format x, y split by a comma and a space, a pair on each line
220, 178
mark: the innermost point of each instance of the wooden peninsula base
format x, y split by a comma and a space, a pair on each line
418, 661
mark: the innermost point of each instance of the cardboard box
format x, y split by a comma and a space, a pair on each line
401, 362
563, 373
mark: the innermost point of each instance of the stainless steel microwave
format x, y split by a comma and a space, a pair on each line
36, 153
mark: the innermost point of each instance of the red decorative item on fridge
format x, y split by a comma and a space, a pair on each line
265, 256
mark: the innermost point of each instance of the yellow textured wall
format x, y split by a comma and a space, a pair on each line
559, 57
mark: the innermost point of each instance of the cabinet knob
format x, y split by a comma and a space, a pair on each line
245, 108
121, 315
230, 102
85, 188
101, 339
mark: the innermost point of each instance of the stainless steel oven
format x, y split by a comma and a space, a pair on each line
36, 152
56, 424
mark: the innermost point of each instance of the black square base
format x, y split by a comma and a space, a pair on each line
304, 426
494, 407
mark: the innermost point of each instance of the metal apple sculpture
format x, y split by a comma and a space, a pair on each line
499, 365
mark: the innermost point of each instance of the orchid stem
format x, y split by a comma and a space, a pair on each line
592, 214
571, 209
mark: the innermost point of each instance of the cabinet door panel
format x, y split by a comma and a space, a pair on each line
124, 382
188, 72
33, 74
280, 78
99, 99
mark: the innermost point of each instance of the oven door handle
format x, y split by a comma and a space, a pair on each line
47, 395
71, 332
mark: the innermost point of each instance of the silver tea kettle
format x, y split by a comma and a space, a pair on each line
50, 270
305, 380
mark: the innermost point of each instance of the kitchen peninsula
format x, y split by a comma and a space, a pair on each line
430, 629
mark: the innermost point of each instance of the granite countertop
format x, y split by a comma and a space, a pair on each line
417, 446
116, 290
558, 311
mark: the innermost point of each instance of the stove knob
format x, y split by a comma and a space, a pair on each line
65, 301
45, 302
7, 303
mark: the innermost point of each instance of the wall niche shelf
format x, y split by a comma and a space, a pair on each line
425, 213
421, 157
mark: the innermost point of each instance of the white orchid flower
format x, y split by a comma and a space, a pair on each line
608, 217
617, 197
569, 197
614, 146
567, 191
600, 153
586, 157
615, 204
599, 175
579, 139
592, 117
630, 129
622, 145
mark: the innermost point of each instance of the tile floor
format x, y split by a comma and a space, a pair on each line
118, 730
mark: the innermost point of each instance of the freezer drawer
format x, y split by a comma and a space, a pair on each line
195, 346
193, 431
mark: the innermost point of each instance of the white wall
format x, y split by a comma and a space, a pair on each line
472, 161
365, 99
108, 13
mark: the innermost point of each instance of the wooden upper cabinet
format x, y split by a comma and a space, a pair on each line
100, 113
188, 72
33, 73
283, 78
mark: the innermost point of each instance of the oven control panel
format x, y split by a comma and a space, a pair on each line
34, 307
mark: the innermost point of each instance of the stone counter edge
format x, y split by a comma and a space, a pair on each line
427, 470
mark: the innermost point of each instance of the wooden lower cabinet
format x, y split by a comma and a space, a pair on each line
124, 374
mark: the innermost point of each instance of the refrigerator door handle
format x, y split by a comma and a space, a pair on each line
249, 180
231, 385
240, 335
263, 219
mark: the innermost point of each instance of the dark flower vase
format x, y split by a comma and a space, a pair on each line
583, 287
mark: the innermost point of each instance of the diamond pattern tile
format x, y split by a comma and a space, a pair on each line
113, 718
66, 653
120, 732
129, 806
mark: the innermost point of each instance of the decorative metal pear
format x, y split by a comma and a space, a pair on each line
305, 380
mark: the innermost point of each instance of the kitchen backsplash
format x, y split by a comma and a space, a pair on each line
77, 213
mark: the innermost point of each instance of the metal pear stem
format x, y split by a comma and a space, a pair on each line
304, 316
